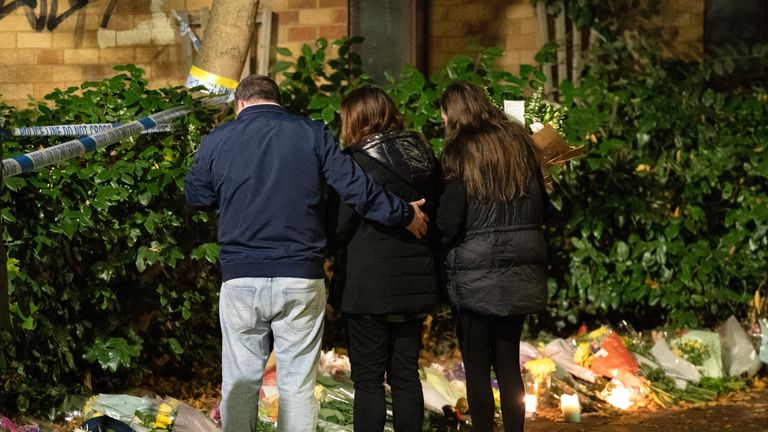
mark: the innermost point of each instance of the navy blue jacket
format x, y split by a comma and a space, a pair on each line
266, 171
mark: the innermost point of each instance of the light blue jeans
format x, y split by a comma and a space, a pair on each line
291, 310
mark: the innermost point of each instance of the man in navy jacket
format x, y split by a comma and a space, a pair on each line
265, 172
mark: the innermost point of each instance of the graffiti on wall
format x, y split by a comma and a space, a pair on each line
47, 15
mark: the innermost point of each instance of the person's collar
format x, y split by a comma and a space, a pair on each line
260, 106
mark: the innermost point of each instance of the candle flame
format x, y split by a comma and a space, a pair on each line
618, 395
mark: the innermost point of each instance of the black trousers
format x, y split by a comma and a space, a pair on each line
487, 342
376, 347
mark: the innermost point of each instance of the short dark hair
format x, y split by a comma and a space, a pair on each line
255, 87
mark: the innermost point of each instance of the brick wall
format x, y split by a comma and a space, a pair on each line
685, 21
142, 32
32, 63
513, 26
508, 24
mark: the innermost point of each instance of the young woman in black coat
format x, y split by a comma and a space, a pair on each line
491, 217
385, 280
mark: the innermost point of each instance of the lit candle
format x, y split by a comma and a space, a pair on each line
620, 397
569, 404
531, 403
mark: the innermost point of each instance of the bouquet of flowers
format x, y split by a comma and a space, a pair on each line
692, 350
605, 353
702, 349
140, 414
157, 417
537, 375
545, 120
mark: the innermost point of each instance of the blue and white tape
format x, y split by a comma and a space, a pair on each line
74, 130
186, 30
77, 147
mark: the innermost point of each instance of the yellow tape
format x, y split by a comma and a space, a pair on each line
210, 80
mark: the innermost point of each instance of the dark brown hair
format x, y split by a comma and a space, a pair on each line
366, 111
257, 87
490, 153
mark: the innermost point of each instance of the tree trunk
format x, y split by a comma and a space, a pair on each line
226, 41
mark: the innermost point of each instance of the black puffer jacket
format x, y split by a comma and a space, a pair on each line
382, 270
496, 251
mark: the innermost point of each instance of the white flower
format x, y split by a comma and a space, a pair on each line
536, 126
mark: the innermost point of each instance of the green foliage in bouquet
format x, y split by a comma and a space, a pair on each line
539, 110
665, 393
692, 350
108, 278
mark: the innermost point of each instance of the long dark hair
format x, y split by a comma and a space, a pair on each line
366, 111
490, 153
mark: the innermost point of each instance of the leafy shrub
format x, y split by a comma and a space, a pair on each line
665, 218
108, 278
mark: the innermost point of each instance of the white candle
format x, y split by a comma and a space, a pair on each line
531, 404
569, 404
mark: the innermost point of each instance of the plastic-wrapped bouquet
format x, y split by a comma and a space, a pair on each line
545, 121
702, 349
539, 113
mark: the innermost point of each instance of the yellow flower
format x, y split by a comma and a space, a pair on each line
583, 355
540, 368
319, 392
596, 334
165, 408
164, 418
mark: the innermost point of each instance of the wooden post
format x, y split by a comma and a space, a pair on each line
562, 50
226, 41
543, 23
5, 311
265, 41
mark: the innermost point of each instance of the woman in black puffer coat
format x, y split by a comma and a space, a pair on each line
385, 280
491, 217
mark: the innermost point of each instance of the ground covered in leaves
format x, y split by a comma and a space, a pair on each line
742, 411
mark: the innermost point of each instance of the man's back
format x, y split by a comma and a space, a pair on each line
265, 172
267, 176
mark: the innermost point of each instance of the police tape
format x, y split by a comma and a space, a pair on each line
215, 84
75, 130
186, 30
37, 159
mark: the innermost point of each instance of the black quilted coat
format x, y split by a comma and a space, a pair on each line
383, 270
496, 251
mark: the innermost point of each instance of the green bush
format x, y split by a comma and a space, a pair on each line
665, 218
111, 277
